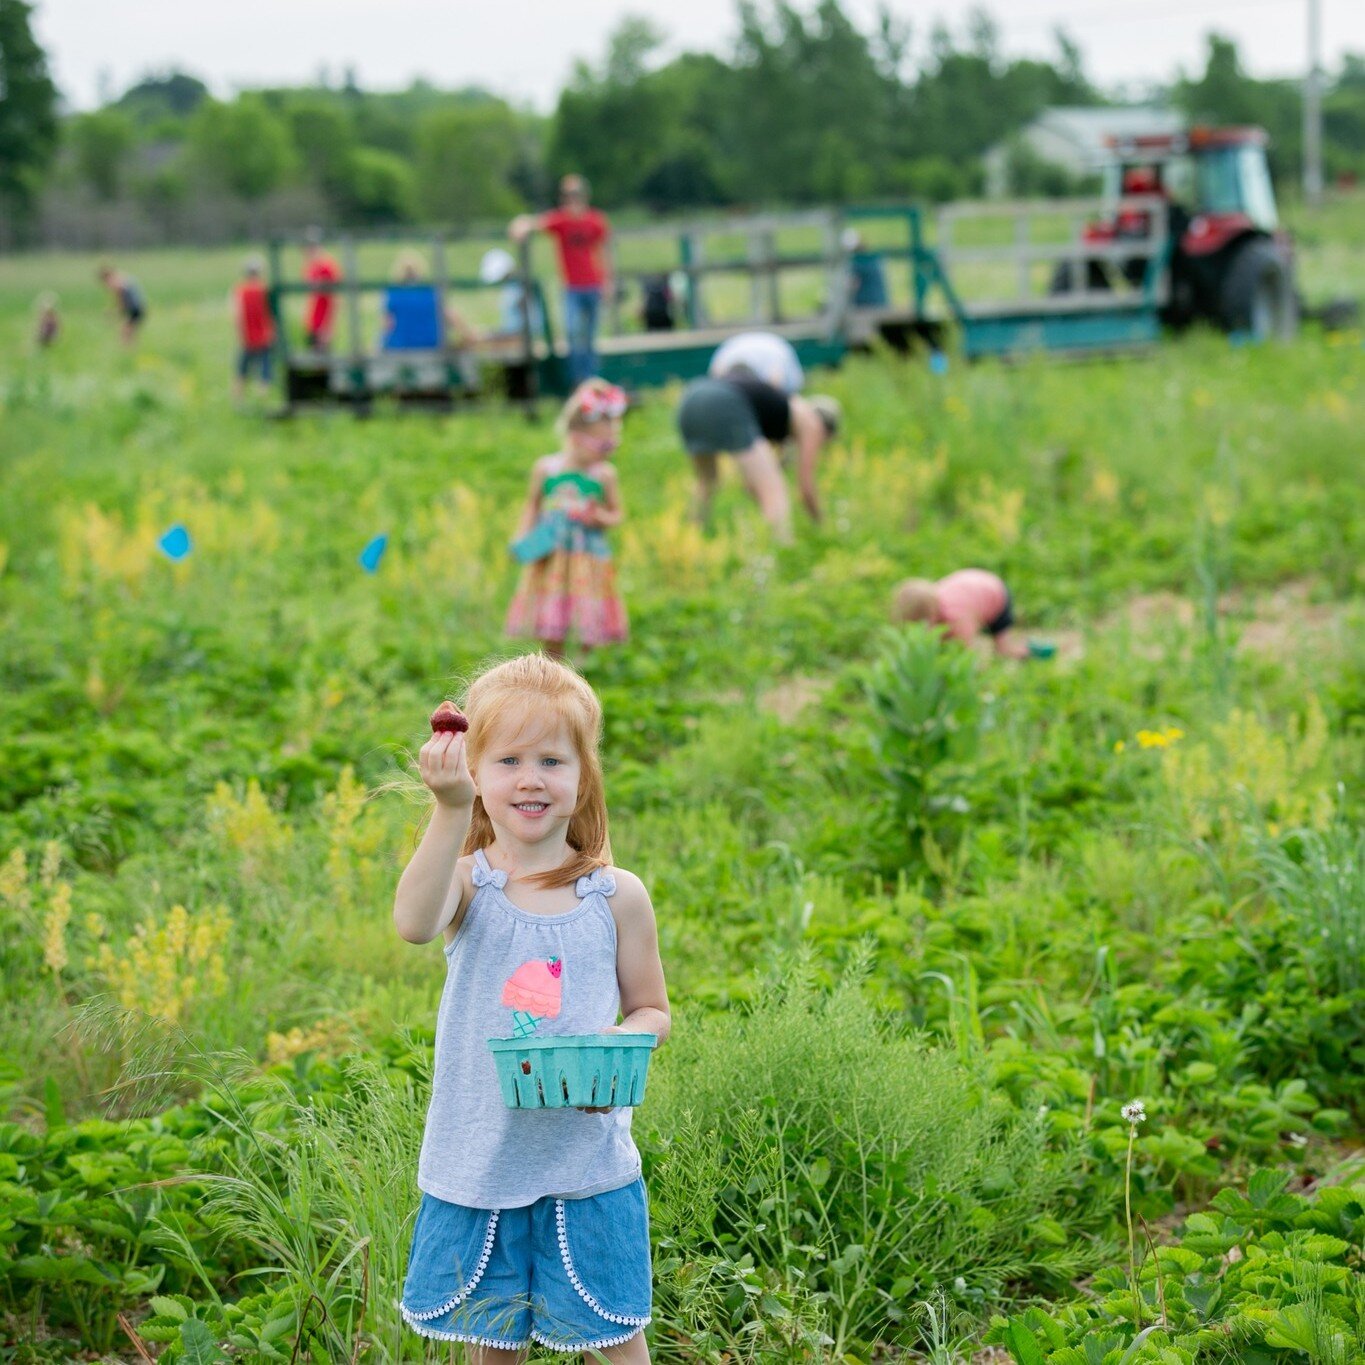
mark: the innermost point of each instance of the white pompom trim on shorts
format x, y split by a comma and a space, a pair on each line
414, 1318
581, 1288
423, 1330
598, 1345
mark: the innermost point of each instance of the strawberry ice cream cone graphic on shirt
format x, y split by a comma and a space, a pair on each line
533, 992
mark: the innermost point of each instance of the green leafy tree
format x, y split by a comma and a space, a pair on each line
28, 104
101, 143
243, 145
803, 83
163, 194
379, 187
1343, 120
1226, 94
465, 161
611, 121
323, 134
164, 98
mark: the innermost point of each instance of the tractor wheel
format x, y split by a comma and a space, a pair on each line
1257, 294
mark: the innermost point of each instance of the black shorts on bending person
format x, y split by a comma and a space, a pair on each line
1004, 620
726, 416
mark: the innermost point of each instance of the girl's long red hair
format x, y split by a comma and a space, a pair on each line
522, 691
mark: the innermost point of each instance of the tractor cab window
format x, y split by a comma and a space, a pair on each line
1257, 191
1178, 179
1236, 180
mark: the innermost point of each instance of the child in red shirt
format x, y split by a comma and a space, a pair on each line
255, 327
319, 268
966, 604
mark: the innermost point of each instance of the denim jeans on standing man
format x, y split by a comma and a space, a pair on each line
581, 307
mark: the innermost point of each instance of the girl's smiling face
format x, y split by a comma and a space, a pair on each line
528, 781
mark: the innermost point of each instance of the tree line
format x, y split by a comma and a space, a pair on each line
806, 107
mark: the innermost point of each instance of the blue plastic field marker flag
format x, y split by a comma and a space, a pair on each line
938, 362
373, 553
175, 543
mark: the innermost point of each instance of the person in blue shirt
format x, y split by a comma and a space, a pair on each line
498, 267
412, 309
867, 274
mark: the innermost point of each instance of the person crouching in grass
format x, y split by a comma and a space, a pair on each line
967, 604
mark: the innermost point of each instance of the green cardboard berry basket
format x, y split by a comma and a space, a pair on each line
577, 1070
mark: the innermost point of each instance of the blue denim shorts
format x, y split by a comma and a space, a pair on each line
572, 1274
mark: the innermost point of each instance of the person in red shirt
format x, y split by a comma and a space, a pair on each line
319, 268
581, 234
255, 327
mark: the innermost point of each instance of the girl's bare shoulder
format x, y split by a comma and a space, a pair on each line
461, 893
631, 901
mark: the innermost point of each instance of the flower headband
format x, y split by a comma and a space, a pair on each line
605, 402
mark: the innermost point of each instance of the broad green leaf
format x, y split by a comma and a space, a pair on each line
1023, 1345
198, 1344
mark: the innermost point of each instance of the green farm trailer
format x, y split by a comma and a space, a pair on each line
981, 276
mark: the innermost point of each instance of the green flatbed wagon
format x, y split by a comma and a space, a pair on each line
982, 282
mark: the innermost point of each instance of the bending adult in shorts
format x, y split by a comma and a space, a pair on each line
128, 300
319, 267
750, 420
770, 357
581, 235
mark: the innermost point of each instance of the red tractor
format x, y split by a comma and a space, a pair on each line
1229, 261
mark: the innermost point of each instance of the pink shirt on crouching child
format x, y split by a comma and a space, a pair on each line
969, 600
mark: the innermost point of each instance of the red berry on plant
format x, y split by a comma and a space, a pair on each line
448, 718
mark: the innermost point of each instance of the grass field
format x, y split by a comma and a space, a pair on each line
929, 921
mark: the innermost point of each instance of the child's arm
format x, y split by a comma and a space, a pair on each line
530, 510
612, 510
1010, 646
639, 972
431, 894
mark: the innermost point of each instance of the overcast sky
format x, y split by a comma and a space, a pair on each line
524, 48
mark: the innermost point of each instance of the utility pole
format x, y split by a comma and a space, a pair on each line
1312, 108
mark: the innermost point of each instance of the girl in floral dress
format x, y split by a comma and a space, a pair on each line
568, 585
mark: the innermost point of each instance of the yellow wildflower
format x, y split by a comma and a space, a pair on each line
1104, 487
1159, 739
328, 1037
14, 887
51, 864
54, 927
162, 969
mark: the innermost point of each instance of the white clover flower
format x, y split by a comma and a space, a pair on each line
1134, 1113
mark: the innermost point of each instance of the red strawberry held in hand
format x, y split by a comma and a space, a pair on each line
448, 718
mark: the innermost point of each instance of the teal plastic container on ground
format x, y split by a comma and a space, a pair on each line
578, 1070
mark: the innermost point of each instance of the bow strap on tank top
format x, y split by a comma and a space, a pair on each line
485, 874
598, 883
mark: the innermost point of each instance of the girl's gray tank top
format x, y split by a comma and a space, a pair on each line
510, 972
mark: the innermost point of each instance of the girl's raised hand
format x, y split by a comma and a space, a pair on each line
445, 770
